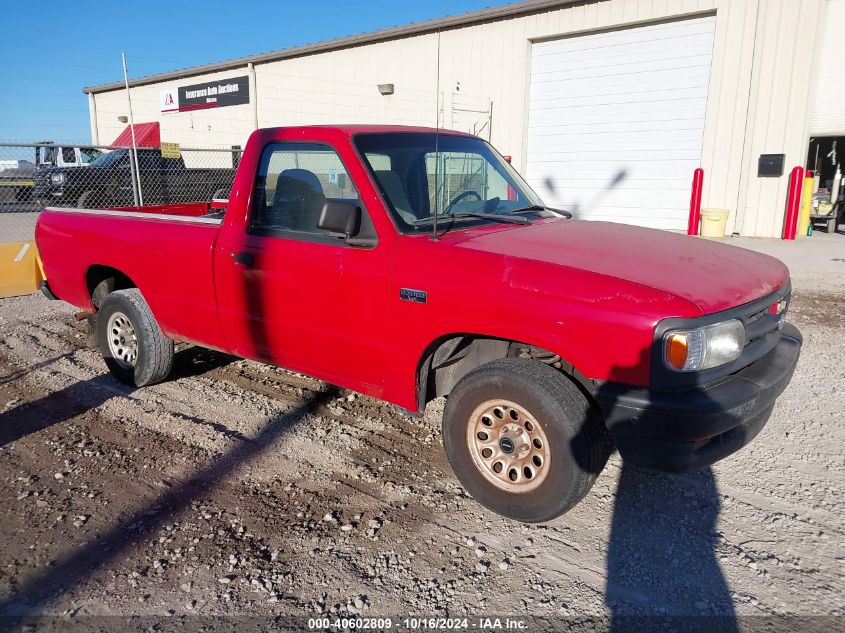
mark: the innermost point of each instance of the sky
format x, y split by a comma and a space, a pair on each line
50, 50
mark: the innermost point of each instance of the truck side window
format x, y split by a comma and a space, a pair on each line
89, 155
68, 155
294, 182
48, 155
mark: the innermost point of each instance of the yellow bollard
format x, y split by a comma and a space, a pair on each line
806, 205
20, 269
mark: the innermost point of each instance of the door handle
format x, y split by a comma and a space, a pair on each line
245, 259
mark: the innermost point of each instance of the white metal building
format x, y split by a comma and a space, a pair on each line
607, 106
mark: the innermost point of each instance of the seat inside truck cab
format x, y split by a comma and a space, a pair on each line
392, 185
297, 202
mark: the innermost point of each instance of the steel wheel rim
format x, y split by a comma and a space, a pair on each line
123, 343
508, 446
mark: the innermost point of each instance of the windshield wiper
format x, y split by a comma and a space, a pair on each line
484, 216
540, 207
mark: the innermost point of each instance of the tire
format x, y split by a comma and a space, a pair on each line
151, 358
101, 291
85, 200
548, 408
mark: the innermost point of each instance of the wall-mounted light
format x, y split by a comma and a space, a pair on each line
385, 89
123, 118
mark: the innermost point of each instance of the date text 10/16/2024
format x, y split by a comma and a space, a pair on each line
418, 624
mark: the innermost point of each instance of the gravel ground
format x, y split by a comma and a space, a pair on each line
237, 488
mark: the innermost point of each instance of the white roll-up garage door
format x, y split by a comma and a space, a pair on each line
616, 121
827, 110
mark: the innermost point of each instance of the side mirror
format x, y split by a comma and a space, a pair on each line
340, 217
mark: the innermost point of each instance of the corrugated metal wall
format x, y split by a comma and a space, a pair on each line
778, 111
757, 99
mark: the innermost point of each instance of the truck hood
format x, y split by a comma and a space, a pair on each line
710, 275
48, 171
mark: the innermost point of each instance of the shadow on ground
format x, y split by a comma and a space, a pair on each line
661, 558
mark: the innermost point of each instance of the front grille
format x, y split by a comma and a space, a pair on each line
762, 328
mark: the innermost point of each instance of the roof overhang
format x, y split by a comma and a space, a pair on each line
396, 32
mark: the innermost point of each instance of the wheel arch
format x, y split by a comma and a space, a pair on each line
450, 357
99, 273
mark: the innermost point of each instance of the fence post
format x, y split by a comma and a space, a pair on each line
695, 202
793, 203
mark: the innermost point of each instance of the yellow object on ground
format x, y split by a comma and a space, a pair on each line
806, 207
713, 222
825, 207
20, 269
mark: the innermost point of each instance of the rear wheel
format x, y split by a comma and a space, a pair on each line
523, 440
135, 350
85, 200
101, 291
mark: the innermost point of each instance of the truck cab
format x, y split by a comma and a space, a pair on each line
66, 156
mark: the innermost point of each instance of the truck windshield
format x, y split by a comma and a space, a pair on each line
460, 177
111, 159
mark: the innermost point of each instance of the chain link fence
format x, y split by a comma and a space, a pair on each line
39, 175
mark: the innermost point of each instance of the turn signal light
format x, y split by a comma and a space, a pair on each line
705, 347
677, 348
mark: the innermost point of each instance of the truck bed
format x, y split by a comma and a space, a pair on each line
185, 209
176, 275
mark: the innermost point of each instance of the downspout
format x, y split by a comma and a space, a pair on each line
92, 114
253, 94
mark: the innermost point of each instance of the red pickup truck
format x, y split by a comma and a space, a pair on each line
408, 264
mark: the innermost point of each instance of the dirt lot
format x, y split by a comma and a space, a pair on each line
237, 488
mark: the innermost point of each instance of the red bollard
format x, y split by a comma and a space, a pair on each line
695, 202
793, 203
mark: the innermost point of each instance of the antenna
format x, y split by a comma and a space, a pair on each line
436, 146
133, 155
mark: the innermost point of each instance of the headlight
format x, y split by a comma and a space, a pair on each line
57, 179
705, 347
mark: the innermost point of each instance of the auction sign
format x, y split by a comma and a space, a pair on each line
211, 94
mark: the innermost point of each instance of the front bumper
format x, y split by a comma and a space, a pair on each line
681, 430
48, 194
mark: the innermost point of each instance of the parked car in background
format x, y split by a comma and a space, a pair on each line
17, 177
66, 156
107, 181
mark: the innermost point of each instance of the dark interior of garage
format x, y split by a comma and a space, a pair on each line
825, 155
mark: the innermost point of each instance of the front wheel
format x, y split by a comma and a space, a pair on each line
133, 346
523, 440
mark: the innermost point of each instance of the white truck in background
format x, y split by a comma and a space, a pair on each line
17, 177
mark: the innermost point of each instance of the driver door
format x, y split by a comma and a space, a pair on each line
282, 276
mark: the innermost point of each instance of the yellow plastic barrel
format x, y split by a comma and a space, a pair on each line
713, 222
